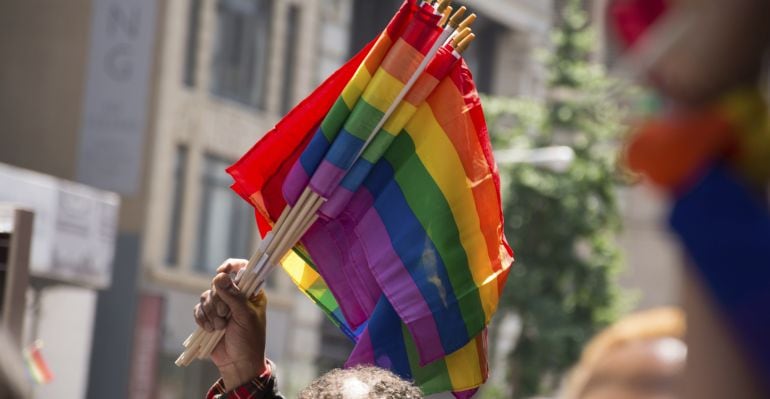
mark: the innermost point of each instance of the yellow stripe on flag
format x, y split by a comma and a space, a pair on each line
382, 90
356, 86
400, 117
464, 369
441, 160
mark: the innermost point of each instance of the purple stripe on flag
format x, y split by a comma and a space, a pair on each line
326, 178
400, 289
295, 184
336, 203
363, 352
322, 242
465, 394
348, 268
369, 291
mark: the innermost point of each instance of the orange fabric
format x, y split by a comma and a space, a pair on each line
669, 151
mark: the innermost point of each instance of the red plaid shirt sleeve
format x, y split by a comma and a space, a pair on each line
262, 387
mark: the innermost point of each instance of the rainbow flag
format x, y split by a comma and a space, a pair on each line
409, 257
37, 367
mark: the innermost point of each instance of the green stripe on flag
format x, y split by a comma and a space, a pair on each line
432, 210
363, 120
334, 120
431, 378
378, 146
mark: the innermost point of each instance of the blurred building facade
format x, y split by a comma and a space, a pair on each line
153, 99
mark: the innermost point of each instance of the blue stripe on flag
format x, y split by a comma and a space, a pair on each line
357, 174
344, 150
388, 340
406, 233
314, 152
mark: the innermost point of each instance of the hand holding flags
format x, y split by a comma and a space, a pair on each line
386, 176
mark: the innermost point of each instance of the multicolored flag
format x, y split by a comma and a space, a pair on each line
36, 365
409, 256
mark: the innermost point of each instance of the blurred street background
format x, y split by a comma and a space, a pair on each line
119, 117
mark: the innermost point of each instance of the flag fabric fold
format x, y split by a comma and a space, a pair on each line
409, 256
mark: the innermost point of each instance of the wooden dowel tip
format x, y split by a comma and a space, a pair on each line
467, 22
442, 5
455, 20
445, 17
465, 43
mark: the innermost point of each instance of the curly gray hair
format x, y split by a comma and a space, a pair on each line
360, 382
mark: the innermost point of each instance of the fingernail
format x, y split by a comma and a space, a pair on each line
225, 283
221, 309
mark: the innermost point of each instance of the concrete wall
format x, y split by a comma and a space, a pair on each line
653, 262
43, 47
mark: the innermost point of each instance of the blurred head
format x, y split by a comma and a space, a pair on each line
361, 382
639, 357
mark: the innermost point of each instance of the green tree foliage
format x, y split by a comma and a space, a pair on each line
561, 221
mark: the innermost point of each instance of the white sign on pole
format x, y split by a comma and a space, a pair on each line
75, 226
116, 98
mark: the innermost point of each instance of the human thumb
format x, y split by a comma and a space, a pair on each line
229, 293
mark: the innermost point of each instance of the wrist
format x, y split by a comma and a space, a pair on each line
240, 372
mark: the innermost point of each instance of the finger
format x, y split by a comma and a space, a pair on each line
207, 322
232, 265
232, 296
209, 304
222, 309
201, 319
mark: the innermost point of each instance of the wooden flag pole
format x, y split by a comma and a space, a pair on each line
465, 42
445, 16
467, 22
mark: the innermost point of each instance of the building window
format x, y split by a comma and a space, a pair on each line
180, 166
482, 55
290, 58
225, 227
243, 47
191, 45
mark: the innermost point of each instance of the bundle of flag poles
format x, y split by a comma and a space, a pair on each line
378, 194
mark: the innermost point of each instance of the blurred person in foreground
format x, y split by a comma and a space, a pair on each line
240, 356
642, 356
